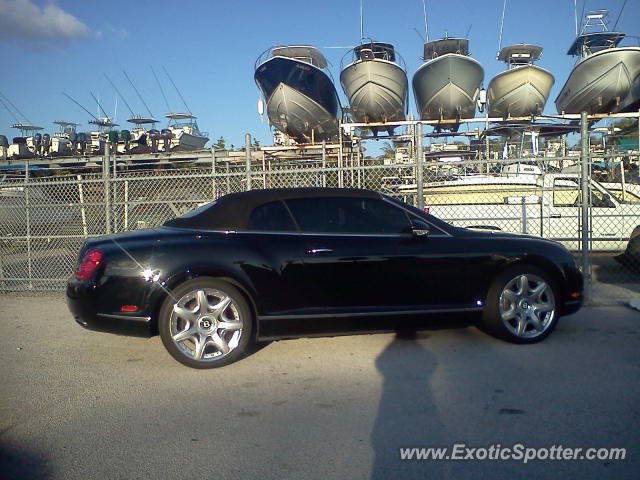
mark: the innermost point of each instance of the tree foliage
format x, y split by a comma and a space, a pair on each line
220, 144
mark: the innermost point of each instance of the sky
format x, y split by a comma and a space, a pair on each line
210, 48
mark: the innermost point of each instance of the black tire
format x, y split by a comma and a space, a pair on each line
630, 258
193, 330
521, 311
633, 245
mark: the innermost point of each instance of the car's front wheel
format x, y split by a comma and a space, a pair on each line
205, 323
521, 305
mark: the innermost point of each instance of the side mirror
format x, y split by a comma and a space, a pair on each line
420, 232
607, 200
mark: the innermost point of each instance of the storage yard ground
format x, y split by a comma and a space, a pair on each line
81, 405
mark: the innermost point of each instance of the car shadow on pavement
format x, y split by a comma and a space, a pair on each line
407, 413
22, 464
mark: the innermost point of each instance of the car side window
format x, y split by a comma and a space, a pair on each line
348, 215
273, 217
567, 193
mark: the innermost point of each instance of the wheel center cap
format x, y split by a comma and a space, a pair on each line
206, 323
525, 305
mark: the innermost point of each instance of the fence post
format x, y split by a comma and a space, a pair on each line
486, 141
28, 225
83, 213
115, 215
340, 160
419, 167
264, 172
247, 154
525, 220
584, 184
324, 163
107, 187
213, 173
126, 205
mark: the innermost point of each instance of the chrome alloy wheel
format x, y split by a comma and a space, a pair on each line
527, 306
206, 324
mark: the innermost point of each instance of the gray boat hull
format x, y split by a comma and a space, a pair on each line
447, 87
519, 92
299, 116
376, 89
602, 83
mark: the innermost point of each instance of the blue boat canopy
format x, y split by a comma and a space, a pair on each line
594, 42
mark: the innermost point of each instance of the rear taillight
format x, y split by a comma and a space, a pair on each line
425, 209
90, 261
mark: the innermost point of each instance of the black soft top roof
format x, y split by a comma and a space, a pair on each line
232, 211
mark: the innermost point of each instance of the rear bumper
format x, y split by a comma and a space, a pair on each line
82, 305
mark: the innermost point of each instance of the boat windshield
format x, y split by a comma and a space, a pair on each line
304, 53
521, 54
379, 50
437, 48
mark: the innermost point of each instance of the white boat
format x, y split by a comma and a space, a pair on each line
521, 90
446, 86
375, 84
606, 79
301, 99
24, 145
185, 132
61, 142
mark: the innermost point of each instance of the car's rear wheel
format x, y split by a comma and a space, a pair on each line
521, 305
205, 323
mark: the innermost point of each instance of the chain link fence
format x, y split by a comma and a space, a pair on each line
44, 220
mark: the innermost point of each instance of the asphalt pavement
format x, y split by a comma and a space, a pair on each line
76, 404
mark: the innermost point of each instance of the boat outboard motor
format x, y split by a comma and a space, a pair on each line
82, 141
37, 144
46, 143
125, 136
154, 136
73, 138
167, 136
113, 136
4, 144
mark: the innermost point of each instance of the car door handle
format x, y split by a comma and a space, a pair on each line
555, 215
316, 251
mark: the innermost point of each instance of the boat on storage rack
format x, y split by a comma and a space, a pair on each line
523, 88
606, 79
446, 86
375, 83
301, 99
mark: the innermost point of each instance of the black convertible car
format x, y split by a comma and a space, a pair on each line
266, 264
